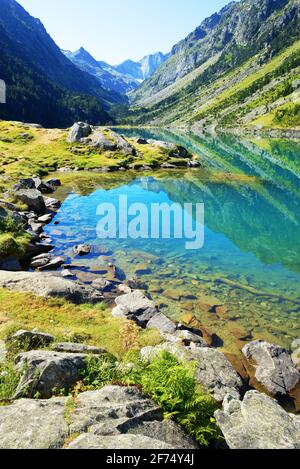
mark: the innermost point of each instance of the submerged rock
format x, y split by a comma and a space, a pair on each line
49, 285
258, 422
82, 250
275, 368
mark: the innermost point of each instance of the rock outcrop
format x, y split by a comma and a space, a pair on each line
44, 371
49, 285
275, 368
258, 422
112, 418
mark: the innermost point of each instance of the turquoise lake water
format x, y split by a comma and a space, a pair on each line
250, 262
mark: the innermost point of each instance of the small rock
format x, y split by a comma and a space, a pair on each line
82, 250
275, 368
45, 219
54, 264
54, 182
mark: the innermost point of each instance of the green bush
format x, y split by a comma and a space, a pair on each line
172, 385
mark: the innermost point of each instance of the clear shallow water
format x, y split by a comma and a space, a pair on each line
250, 261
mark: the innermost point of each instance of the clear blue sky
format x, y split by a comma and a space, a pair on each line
115, 30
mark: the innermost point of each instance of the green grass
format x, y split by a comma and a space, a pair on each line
93, 325
13, 240
47, 150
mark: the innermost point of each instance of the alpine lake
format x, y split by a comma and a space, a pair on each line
244, 284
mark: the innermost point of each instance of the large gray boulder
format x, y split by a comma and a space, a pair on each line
33, 199
135, 306
258, 422
275, 368
213, 371
112, 418
33, 424
49, 285
99, 141
44, 371
122, 144
78, 131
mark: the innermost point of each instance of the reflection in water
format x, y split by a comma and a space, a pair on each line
239, 284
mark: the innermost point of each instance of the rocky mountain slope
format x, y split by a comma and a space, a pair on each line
144, 68
107, 75
241, 65
42, 84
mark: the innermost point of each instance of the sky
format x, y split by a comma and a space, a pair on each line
116, 30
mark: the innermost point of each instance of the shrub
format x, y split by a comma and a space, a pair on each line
172, 385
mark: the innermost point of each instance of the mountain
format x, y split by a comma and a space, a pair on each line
42, 84
108, 77
143, 69
239, 67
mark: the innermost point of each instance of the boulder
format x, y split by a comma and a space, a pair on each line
44, 371
112, 418
135, 306
117, 411
275, 369
214, 372
162, 323
122, 145
69, 347
30, 339
99, 141
258, 422
33, 424
49, 285
78, 131
33, 199
34, 183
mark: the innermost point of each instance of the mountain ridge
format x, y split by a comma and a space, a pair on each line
230, 45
